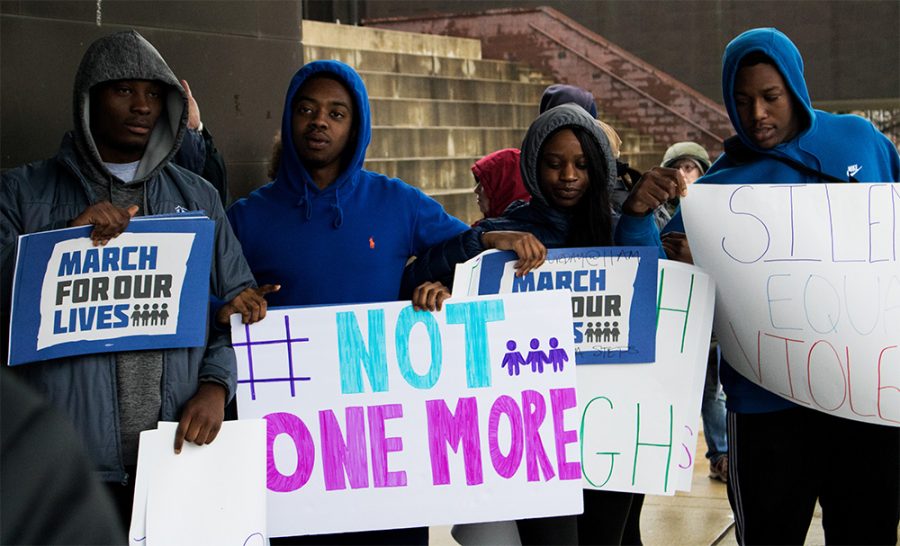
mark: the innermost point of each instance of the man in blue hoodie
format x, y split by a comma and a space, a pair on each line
327, 230
784, 457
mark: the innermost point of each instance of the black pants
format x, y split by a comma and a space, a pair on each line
780, 463
609, 517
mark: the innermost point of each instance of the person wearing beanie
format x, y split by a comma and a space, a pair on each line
688, 157
692, 160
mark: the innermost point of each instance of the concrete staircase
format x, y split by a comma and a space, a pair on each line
630, 89
437, 106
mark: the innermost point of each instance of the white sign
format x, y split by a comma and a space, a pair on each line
212, 494
382, 417
808, 289
94, 291
639, 422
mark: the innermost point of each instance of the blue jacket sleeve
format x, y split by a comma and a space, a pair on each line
192, 153
639, 231
438, 263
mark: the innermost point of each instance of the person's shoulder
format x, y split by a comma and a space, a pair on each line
830, 121
259, 200
31, 170
35, 177
383, 182
382, 187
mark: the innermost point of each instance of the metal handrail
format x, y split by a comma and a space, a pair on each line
626, 83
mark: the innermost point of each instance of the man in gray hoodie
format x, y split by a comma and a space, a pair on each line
130, 117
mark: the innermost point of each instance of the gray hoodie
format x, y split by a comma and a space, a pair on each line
47, 194
128, 56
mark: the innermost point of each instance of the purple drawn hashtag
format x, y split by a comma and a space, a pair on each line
290, 379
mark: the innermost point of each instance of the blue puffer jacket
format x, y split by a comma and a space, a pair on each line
47, 194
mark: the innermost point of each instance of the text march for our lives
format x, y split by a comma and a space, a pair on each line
638, 420
148, 288
613, 295
808, 290
383, 417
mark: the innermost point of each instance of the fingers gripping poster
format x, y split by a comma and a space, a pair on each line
383, 417
808, 290
147, 288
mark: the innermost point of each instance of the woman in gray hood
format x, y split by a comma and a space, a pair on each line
568, 168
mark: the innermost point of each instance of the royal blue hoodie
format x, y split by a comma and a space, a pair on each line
347, 243
837, 145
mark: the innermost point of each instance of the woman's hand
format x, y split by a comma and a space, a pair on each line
528, 248
430, 296
676, 246
655, 187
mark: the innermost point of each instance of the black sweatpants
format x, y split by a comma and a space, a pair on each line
780, 463
609, 517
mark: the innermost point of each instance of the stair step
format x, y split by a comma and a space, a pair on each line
376, 39
390, 85
424, 65
390, 142
429, 174
447, 113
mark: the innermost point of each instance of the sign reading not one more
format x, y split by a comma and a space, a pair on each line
383, 417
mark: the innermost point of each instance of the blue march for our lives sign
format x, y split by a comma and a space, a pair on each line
146, 289
613, 296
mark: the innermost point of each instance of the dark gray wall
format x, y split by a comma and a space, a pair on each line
851, 47
237, 56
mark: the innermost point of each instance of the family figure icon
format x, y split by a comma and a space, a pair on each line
513, 359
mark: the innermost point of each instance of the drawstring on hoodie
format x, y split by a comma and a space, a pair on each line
304, 201
336, 208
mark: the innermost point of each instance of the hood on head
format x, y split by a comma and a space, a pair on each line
559, 117
561, 93
292, 175
498, 173
786, 57
129, 56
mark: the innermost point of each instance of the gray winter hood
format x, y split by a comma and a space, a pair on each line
554, 119
128, 56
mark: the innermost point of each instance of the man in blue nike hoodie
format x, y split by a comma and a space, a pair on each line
783, 457
327, 230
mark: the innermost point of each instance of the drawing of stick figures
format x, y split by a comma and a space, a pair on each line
512, 359
145, 315
154, 315
606, 331
164, 315
557, 356
589, 333
136, 316
615, 331
536, 358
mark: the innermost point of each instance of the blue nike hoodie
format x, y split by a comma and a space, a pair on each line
838, 145
347, 243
